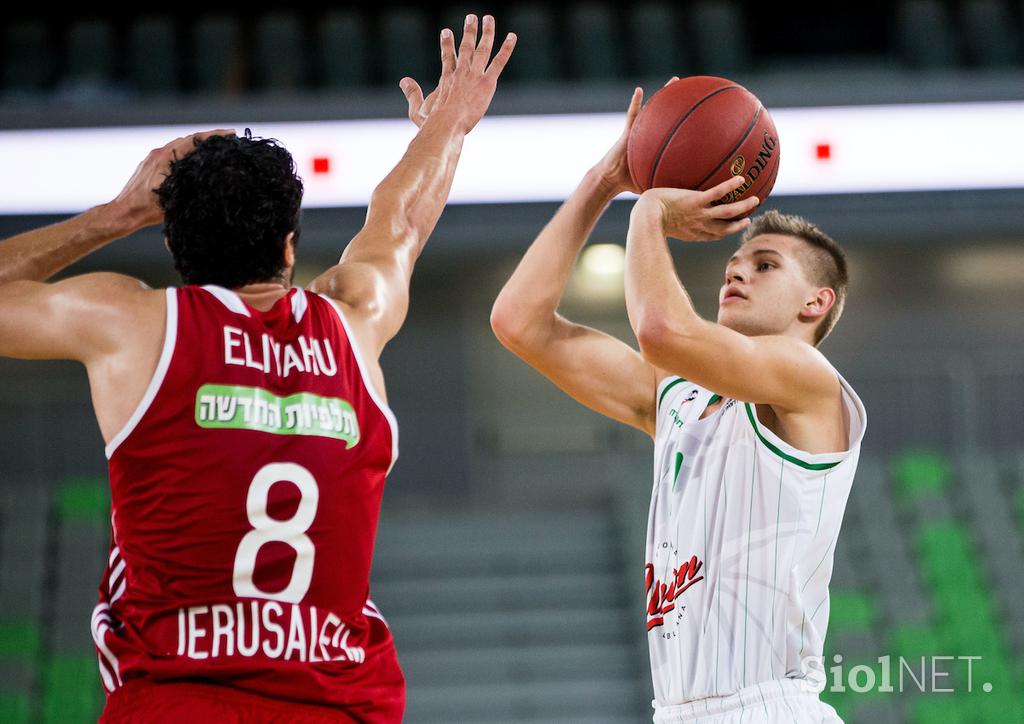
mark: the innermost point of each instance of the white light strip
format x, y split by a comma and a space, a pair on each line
836, 150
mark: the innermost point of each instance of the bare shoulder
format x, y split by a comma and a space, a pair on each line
111, 298
808, 370
77, 318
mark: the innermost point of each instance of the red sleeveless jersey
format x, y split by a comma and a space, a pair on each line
246, 489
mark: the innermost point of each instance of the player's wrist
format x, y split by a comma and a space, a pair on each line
115, 219
604, 182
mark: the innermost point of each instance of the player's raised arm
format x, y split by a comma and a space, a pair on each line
782, 370
596, 369
372, 278
77, 317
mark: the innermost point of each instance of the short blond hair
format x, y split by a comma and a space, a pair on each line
825, 260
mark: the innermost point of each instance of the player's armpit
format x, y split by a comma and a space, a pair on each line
777, 370
76, 319
594, 368
373, 292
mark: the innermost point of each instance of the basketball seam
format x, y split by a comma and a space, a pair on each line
775, 172
671, 135
735, 148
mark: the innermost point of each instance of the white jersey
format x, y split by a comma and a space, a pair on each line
740, 543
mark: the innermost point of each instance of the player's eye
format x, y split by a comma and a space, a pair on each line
765, 266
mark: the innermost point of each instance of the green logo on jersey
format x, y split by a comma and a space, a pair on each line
678, 467
253, 408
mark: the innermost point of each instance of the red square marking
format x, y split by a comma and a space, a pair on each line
321, 164
824, 151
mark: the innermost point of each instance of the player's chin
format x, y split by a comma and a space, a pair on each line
728, 317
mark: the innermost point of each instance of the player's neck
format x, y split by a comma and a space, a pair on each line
263, 295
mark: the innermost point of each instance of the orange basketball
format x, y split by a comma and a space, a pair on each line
696, 132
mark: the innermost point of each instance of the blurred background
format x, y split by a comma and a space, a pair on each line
511, 548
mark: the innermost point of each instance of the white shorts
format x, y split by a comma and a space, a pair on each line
769, 702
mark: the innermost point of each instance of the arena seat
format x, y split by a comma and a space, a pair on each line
153, 59
341, 56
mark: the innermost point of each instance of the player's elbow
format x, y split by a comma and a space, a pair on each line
655, 333
505, 323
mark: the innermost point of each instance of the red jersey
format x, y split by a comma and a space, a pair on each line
246, 490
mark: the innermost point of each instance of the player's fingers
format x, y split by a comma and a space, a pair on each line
447, 52
413, 94
634, 106
203, 135
735, 209
725, 228
671, 80
716, 192
468, 39
502, 56
483, 50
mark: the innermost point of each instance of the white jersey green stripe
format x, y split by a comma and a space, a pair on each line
740, 540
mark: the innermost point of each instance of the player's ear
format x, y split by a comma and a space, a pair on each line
289, 250
819, 305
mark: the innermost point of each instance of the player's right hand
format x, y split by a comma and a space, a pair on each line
468, 77
698, 215
137, 204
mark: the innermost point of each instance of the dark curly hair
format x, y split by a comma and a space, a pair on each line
228, 208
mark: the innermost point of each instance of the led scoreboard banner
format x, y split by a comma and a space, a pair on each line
508, 159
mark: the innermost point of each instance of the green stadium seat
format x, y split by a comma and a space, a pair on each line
19, 640
920, 474
342, 50
83, 499
71, 690
887, 558
24, 510
851, 611
15, 708
153, 56
886, 710
935, 709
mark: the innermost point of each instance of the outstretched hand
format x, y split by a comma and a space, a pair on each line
468, 77
697, 215
614, 166
137, 201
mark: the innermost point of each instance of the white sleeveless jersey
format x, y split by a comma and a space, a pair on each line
740, 543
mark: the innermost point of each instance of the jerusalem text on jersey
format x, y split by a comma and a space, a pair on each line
274, 630
308, 356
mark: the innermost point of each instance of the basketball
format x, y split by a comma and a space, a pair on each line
696, 132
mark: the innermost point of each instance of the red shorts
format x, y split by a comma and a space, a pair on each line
197, 703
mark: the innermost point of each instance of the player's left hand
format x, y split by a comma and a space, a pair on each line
468, 76
697, 215
614, 166
136, 205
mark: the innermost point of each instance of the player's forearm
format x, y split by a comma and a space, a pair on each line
529, 300
40, 253
659, 309
407, 204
